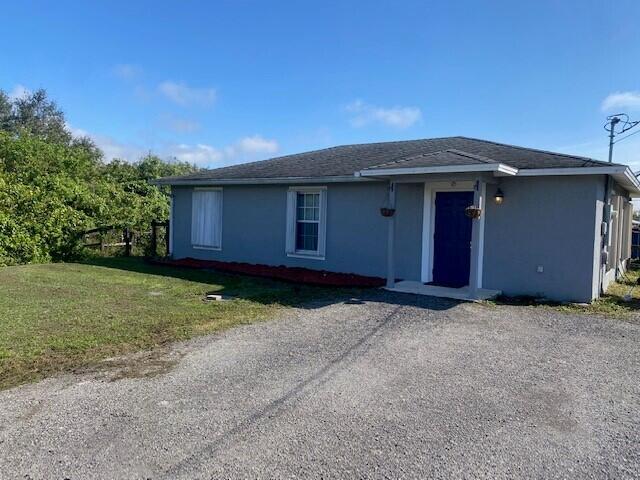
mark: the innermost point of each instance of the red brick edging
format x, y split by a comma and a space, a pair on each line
289, 274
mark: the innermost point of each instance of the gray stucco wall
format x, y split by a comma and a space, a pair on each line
598, 238
254, 228
547, 221
544, 221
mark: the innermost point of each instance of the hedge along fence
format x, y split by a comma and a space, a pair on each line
114, 240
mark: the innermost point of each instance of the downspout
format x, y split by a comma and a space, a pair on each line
170, 229
606, 218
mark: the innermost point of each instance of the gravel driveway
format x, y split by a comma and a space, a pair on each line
394, 386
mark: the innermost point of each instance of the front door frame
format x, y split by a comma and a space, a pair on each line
428, 225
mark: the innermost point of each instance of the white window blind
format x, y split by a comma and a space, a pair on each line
206, 218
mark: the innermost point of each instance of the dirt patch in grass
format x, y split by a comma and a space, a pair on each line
145, 364
71, 316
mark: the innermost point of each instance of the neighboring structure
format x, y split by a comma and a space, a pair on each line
544, 224
635, 240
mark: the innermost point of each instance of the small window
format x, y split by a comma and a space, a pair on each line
206, 218
306, 222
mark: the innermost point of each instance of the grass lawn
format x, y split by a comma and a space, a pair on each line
57, 317
612, 303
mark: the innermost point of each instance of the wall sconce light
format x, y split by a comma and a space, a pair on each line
499, 197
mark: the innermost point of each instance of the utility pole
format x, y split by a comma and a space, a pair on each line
610, 126
613, 122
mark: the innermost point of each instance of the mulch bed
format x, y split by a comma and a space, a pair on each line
288, 274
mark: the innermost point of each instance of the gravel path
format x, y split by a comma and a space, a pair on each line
394, 386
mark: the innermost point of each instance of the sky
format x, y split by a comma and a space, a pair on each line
223, 82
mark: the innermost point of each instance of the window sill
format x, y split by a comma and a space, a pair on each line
310, 256
198, 247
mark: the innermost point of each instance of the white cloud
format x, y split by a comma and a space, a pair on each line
399, 117
183, 95
114, 149
617, 100
126, 71
253, 145
19, 91
247, 148
109, 146
200, 154
76, 132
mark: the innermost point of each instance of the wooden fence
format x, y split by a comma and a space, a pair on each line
154, 236
112, 236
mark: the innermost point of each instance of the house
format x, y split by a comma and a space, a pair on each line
454, 216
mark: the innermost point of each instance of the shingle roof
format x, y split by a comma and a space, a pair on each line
346, 160
437, 159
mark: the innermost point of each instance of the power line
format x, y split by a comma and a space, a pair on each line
626, 136
612, 127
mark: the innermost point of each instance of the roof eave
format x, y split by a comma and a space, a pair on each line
621, 173
259, 181
497, 168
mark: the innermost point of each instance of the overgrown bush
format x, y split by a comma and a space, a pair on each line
53, 187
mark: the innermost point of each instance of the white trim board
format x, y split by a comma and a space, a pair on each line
428, 223
291, 222
485, 167
262, 181
571, 171
621, 173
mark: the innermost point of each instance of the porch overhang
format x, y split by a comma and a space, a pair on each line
498, 169
622, 174
473, 290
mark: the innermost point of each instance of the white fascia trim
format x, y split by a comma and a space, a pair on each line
631, 177
490, 167
532, 172
621, 173
264, 181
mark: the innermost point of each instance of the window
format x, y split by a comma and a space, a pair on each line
206, 218
306, 222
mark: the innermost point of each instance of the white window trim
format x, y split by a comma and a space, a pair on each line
292, 221
211, 189
428, 224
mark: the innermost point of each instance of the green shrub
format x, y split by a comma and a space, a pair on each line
54, 187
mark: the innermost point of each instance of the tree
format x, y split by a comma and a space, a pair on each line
53, 187
46, 198
6, 112
37, 115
